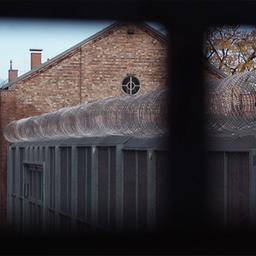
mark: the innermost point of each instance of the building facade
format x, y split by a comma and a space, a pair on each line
123, 58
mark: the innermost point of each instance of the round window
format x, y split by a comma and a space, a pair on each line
131, 85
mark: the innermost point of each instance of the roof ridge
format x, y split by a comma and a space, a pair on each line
77, 46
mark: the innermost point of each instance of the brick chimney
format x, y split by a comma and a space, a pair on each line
12, 73
35, 57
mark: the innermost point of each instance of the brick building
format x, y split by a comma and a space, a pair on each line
95, 68
122, 58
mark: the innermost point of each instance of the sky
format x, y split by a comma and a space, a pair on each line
54, 37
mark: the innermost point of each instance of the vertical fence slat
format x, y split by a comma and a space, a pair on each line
119, 186
17, 187
151, 189
136, 188
94, 188
57, 187
74, 184
225, 188
47, 184
9, 187
108, 185
252, 186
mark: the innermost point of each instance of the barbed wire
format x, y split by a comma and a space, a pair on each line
231, 108
231, 111
144, 115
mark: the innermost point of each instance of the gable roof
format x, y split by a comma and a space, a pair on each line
146, 28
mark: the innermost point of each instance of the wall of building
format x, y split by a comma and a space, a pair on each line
51, 89
91, 72
95, 71
107, 61
7, 114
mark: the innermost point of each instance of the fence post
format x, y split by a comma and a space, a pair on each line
25, 203
16, 177
57, 187
9, 186
252, 187
225, 170
74, 185
94, 188
151, 189
119, 186
46, 178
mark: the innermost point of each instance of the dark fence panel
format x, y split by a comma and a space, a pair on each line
232, 188
238, 188
86, 184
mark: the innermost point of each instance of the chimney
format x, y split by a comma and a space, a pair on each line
35, 57
12, 73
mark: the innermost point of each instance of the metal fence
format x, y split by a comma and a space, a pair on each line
232, 181
112, 183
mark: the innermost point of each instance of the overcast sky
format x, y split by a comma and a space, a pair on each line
54, 37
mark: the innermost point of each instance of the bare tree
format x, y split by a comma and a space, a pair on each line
231, 49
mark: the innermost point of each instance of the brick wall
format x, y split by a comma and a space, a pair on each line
93, 71
53, 88
106, 62
7, 114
